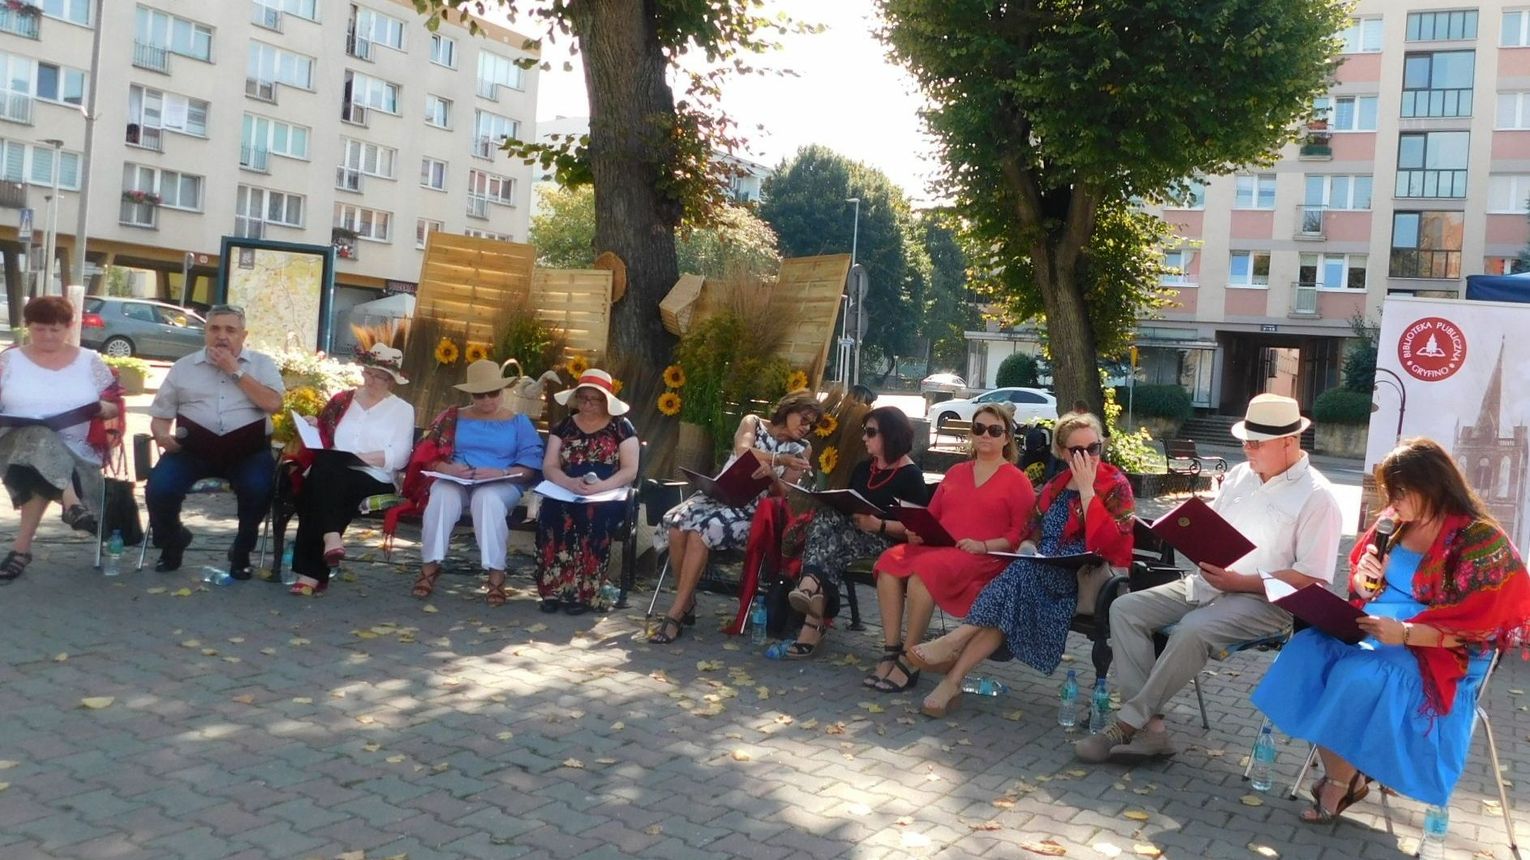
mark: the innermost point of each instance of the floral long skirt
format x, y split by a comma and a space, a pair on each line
573, 546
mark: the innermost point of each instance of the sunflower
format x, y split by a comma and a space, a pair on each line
826, 426
446, 351
669, 403
828, 459
797, 379
674, 376
578, 365
477, 352
616, 386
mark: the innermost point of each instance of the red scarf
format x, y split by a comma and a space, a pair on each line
1107, 530
105, 434
1476, 589
438, 443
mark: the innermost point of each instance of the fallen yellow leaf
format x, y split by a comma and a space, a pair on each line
429, 607
536, 628
1135, 815
986, 825
181, 592
302, 700
297, 642
653, 829
573, 763
245, 699
1106, 849
158, 589
7, 764
1263, 850
394, 759
96, 703
1251, 800
741, 755
1147, 849
61, 657
1049, 847
192, 643
371, 747
505, 736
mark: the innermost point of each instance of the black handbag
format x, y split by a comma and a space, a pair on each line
121, 512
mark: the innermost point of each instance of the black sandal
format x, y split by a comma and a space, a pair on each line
890, 655
800, 650
689, 618
664, 638
79, 518
911, 676
14, 565
1359, 787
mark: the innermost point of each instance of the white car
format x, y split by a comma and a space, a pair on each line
1030, 404
942, 383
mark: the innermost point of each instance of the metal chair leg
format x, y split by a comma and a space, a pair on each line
101, 522
143, 548
855, 606
1301, 774
658, 586
1503, 794
1201, 701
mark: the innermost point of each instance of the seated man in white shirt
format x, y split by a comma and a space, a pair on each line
221, 398
1289, 512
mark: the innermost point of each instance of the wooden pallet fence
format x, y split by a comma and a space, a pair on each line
810, 288
578, 301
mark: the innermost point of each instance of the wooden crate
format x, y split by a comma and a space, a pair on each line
578, 301
810, 289
678, 306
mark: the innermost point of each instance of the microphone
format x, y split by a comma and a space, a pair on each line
1385, 528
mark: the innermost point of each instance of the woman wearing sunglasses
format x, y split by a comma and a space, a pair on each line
984, 504
1086, 508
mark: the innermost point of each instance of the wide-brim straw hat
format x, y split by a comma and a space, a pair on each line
385, 358
600, 381
483, 376
1270, 416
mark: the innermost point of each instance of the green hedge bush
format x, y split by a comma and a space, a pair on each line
1342, 406
1157, 401
1018, 370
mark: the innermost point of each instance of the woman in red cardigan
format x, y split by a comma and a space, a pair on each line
1085, 508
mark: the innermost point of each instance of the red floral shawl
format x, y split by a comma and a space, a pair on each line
105, 434
438, 443
1477, 590
1108, 528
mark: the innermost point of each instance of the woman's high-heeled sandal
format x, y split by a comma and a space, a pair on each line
689, 618
79, 518
425, 584
310, 588
890, 655
1359, 787
496, 595
801, 598
887, 685
662, 636
800, 650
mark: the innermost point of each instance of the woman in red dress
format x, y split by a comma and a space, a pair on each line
984, 504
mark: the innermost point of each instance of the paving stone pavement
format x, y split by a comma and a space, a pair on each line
248, 724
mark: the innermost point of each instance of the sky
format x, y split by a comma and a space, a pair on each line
847, 96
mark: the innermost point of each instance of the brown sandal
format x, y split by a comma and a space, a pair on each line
426, 583
496, 595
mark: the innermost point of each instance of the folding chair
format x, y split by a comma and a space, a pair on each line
1479, 717
202, 487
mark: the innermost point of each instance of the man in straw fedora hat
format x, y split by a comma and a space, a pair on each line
1288, 511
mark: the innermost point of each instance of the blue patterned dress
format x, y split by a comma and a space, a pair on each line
1032, 603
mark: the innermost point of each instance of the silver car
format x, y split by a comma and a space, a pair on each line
123, 327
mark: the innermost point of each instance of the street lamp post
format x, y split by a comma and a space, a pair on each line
859, 300
49, 244
1402, 395
88, 111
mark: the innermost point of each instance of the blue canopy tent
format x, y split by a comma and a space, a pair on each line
1498, 288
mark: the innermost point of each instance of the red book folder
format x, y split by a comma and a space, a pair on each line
734, 486
1322, 609
919, 520
1201, 535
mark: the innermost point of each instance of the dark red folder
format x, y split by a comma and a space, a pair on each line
222, 450
734, 486
1201, 535
1326, 611
847, 502
919, 520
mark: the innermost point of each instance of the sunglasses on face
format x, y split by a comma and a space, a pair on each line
1093, 449
994, 430
484, 395
869, 432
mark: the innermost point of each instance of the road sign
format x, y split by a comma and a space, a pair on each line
24, 229
859, 282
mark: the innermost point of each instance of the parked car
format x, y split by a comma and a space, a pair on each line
121, 327
1030, 404
942, 383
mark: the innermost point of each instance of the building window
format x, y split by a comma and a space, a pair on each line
366, 223
489, 129
1333, 271
1513, 111
275, 207
1362, 36
1191, 196
1438, 83
270, 64
438, 111
1248, 269
1432, 163
1426, 244
176, 190
1508, 193
60, 84
306, 9
495, 71
371, 92
443, 50
1503, 266
1176, 264
275, 137
1347, 113
433, 174
487, 234
73, 11
34, 164
1457, 25
175, 35
150, 108
1255, 192
423, 227
499, 189
369, 158
377, 28
1338, 191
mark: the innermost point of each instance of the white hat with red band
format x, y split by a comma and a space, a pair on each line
600, 381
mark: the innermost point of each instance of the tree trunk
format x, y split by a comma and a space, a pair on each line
631, 110
1070, 337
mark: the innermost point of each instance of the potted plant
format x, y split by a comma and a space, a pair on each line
344, 240
146, 198
131, 372
22, 7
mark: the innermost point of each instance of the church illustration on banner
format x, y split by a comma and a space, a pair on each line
1495, 456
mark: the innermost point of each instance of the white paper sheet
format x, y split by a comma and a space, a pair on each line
307, 432
548, 489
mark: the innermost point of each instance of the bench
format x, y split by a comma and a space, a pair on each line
1181, 458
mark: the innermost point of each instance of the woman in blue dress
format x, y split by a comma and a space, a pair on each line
1087, 507
1450, 590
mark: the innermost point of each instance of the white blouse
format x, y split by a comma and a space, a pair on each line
387, 427
30, 390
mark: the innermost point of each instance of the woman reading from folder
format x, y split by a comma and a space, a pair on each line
984, 504
700, 524
1398, 707
1086, 508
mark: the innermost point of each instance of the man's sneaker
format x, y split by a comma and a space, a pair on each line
172, 550
1096, 748
1145, 744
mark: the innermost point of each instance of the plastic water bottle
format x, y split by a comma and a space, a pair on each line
111, 561
1067, 710
215, 576
983, 685
609, 596
1099, 707
1436, 825
1262, 774
757, 622
289, 576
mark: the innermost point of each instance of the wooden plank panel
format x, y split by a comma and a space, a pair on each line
810, 287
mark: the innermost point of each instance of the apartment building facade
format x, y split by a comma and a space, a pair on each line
341, 122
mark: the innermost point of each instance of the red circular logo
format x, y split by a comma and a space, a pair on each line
1432, 349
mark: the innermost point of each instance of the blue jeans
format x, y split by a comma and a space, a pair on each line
252, 478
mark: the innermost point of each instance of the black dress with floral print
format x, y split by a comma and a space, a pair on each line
573, 538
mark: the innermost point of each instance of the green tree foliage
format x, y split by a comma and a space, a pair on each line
1054, 115
950, 308
804, 202
1157, 401
1342, 406
738, 241
1019, 370
1360, 359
